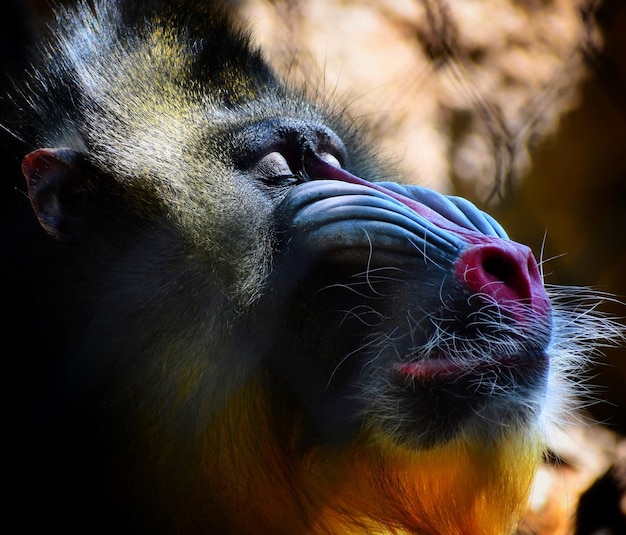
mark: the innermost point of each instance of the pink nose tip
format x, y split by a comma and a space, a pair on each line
504, 271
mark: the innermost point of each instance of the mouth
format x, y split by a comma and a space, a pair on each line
446, 369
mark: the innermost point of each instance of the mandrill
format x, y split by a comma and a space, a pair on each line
226, 315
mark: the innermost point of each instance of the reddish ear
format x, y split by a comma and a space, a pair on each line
59, 191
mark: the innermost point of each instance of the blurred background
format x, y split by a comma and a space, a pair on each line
518, 105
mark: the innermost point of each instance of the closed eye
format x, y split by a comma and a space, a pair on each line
273, 168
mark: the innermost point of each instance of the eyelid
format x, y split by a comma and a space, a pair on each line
273, 167
330, 158
275, 160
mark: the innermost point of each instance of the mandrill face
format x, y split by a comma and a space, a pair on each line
428, 322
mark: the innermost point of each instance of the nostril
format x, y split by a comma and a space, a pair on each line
500, 267
505, 271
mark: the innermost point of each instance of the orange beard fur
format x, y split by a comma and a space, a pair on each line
260, 480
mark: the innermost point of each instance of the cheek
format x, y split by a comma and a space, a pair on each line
230, 231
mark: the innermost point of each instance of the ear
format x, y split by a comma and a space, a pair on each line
61, 191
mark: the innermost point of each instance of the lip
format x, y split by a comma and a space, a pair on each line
443, 368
